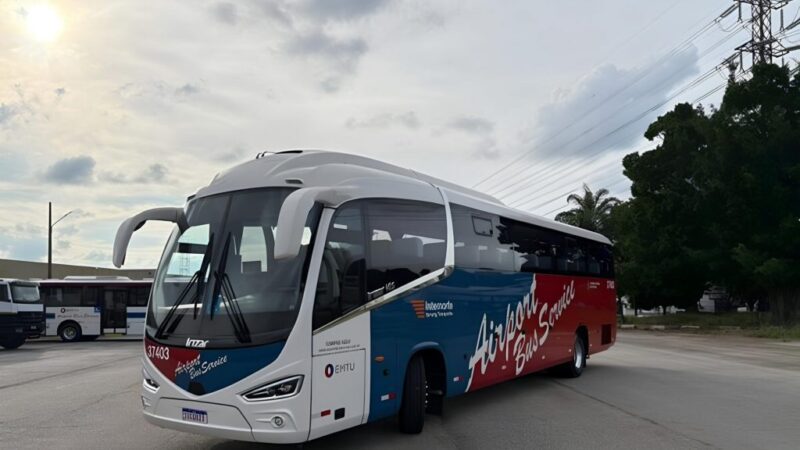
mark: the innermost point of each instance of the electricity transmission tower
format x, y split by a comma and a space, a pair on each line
764, 45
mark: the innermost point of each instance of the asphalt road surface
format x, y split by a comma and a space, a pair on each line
651, 390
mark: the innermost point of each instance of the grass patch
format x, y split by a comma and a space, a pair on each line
772, 332
706, 320
751, 324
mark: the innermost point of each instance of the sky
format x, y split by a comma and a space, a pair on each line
110, 107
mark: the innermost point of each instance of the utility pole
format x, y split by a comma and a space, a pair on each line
49, 240
764, 45
50, 225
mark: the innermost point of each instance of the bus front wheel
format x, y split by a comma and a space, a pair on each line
12, 342
412, 407
69, 332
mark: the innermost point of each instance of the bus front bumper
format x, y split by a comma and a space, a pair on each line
222, 421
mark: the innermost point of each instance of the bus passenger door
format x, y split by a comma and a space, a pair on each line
115, 316
339, 376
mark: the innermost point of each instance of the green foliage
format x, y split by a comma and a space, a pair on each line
718, 200
592, 210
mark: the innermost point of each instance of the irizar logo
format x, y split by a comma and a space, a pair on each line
196, 343
432, 310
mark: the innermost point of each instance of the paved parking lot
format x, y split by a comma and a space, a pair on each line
650, 391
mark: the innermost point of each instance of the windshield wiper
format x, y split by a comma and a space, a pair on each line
197, 278
224, 290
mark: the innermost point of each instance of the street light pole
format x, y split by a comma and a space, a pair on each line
49, 240
50, 225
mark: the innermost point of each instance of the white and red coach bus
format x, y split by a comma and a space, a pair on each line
306, 292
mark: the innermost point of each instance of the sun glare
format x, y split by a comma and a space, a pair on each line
43, 23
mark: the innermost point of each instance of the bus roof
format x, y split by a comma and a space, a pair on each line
317, 168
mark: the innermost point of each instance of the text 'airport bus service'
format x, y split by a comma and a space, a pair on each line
306, 292
80, 307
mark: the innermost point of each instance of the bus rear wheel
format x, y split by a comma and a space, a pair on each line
12, 342
70, 332
574, 368
412, 408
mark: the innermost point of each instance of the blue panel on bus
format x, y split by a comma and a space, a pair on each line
136, 315
438, 312
50, 315
489, 326
204, 371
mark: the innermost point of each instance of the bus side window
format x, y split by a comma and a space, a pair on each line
482, 240
342, 282
138, 296
407, 241
70, 296
91, 296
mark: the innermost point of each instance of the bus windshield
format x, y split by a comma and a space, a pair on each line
24, 292
218, 281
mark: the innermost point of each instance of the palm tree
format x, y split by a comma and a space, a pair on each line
592, 209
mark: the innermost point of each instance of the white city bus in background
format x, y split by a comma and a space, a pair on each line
87, 307
21, 314
307, 292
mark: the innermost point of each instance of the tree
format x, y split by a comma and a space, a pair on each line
753, 189
592, 211
718, 200
661, 229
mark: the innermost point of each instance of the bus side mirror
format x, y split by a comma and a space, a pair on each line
129, 226
292, 220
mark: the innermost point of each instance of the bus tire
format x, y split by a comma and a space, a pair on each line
574, 368
12, 342
412, 406
69, 332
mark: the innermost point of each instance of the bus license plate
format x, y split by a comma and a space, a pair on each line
195, 415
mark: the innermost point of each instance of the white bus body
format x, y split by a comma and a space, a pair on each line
307, 292
89, 307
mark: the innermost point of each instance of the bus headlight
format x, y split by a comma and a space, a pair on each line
275, 390
148, 382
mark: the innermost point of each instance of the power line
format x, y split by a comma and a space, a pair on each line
600, 151
509, 181
599, 154
699, 99
675, 49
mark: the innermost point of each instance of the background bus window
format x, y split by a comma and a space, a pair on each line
4, 293
91, 296
138, 296
64, 296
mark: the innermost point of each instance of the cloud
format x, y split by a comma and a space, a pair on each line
7, 112
225, 12
276, 11
342, 10
476, 125
407, 119
341, 54
186, 90
97, 256
344, 53
77, 170
155, 173
235, 154
587, 118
